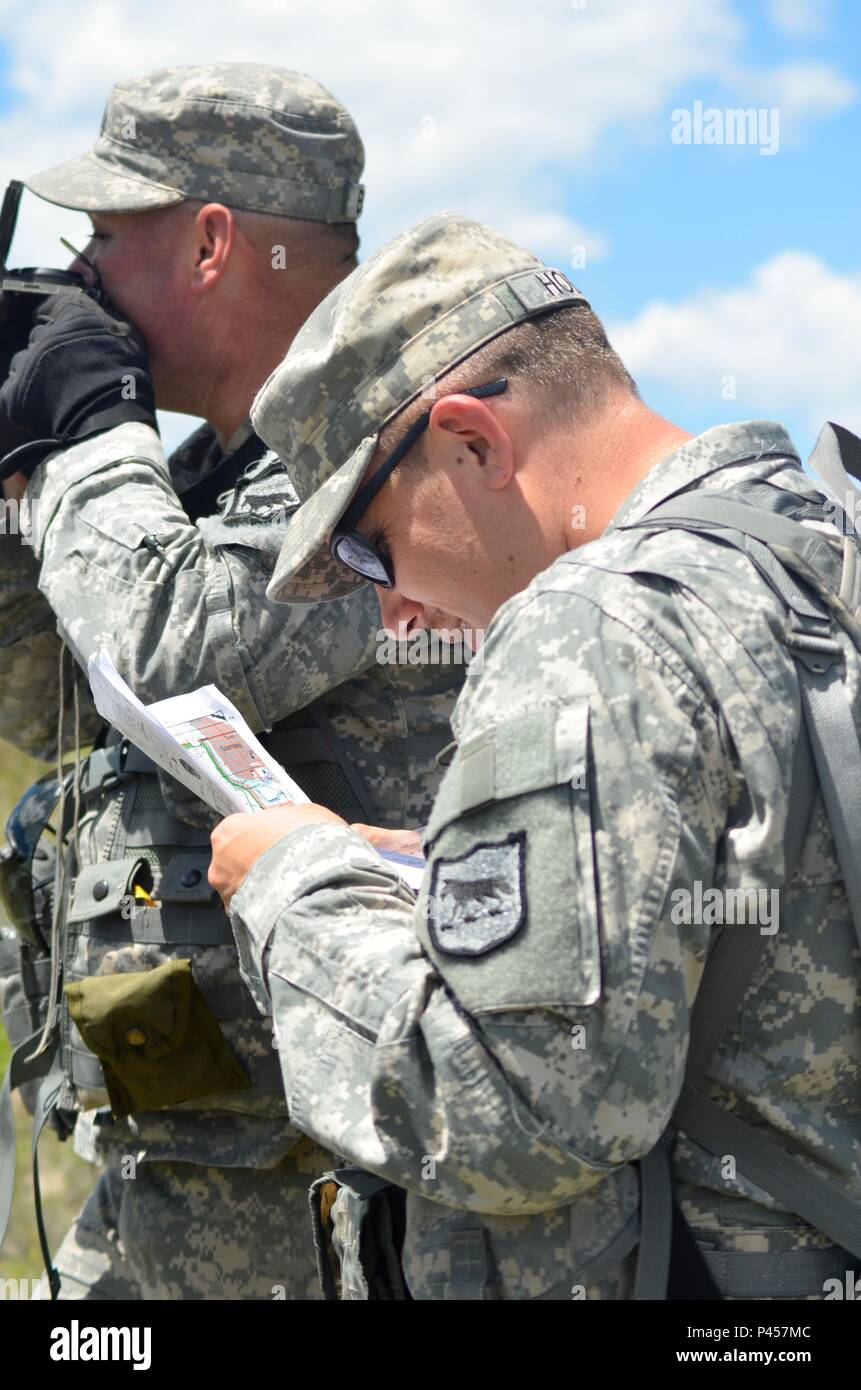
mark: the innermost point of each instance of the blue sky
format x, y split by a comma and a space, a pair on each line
677, 216
709, 263
680, 218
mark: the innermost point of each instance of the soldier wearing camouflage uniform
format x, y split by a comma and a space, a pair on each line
165, 565
514, 1044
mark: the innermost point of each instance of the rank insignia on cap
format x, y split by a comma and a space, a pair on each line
478, 901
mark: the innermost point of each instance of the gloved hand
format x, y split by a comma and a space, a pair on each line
83, 371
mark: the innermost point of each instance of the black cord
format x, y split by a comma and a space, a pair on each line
11, 462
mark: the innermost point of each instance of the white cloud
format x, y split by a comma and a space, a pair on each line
801, 92
553, 235
492, 108
789, 338
800, 18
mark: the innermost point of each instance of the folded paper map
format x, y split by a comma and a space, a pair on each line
203, 741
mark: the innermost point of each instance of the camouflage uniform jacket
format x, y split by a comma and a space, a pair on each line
514, 1041
178, 605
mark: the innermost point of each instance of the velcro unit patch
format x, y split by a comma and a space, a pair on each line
478, 901
262, 495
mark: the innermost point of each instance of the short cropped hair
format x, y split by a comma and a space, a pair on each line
335, 243
562, 360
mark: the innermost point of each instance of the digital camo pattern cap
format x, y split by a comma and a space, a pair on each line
413, 311
245, 134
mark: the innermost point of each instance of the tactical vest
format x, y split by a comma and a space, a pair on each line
157, 1014
142, 902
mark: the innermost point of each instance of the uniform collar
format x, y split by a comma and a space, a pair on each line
749, 441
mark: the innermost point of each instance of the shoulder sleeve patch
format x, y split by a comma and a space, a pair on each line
263, 495
477, 901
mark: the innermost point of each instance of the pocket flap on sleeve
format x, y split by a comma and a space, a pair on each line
122, 527
538, 749
510, 907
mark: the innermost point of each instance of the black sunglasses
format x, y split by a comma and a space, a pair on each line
357, 552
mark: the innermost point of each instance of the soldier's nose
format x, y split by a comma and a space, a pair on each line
400, 614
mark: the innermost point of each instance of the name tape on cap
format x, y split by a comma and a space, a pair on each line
535, 289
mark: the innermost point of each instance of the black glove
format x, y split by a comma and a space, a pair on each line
83, 371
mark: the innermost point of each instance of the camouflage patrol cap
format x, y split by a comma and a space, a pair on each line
383, 336
244, 134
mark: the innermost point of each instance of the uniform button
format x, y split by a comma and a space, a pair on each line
191, 878
135, 1037
100, 890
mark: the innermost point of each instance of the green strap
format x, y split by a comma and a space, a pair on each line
799, 1273
829, 733
736, 955
714, 511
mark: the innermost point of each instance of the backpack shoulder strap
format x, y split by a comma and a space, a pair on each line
827, 753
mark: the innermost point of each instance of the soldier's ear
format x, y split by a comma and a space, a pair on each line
470, 435
214, 236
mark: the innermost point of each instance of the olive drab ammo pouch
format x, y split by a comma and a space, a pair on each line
157, 1038
798, 563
